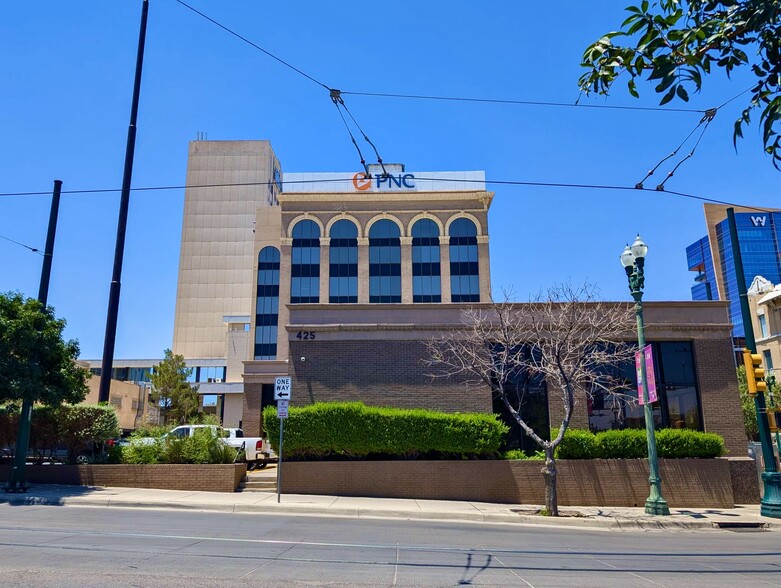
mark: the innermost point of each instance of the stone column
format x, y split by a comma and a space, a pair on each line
484, 266
444, 267
406, 270
284, 297
325, 269
363, 270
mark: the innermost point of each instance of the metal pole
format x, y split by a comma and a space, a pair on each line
770, 505
113, 298
655, 504
17, 482
279, 459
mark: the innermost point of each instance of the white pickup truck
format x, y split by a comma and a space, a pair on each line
257, 450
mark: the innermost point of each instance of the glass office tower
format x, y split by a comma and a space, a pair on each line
759, 235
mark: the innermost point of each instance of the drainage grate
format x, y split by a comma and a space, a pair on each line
741, 526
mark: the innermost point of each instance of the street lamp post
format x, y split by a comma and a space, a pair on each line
633, 260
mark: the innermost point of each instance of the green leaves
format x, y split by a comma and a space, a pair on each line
676, 42
632, 444
35, 362
350, 429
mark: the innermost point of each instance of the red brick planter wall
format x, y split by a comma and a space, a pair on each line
608, 482
207, 477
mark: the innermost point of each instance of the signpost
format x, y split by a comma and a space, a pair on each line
282, 389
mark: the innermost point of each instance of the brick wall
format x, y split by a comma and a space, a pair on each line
250, 419
200, 477
718, 384
703, 483
379, 373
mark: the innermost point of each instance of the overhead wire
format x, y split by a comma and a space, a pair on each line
671, 173
522, 102
258, 47
434, 97
525, 183
707, 118
33, 249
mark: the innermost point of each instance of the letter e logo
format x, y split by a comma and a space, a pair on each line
361, 182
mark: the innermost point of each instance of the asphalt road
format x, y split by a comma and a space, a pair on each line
100, 547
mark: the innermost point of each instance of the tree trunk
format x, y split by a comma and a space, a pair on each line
549, 473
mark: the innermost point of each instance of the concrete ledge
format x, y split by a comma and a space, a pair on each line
203, 477
703, 483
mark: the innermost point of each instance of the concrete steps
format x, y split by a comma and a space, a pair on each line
264, 480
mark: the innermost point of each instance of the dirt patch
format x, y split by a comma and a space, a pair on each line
563, 512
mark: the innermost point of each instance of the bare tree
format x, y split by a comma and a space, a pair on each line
565, 336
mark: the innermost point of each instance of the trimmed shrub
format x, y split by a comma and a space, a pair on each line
353, 430
676, 443
576, 444
204, 446
631, 444
622, 444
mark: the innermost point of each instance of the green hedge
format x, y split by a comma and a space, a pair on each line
353, 430
631, 443
576, 444
687, 443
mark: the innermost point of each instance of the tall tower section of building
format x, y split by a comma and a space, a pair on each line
228, 182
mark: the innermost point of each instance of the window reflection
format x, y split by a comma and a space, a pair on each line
678, 405
305, 263
343, 263
426, 282
267, 311
384, 262
464, 270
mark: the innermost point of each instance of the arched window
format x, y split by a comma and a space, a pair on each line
384, 262
267, 311
305, 263
464, 270
343, 263
426, 282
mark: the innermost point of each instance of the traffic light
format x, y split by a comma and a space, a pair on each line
755, 373
774, 419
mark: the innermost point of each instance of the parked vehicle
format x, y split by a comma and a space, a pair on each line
257, 451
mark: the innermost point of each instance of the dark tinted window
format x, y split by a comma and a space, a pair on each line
267, 311
343, 263
426, 281
464, 270
384, 262
305, 263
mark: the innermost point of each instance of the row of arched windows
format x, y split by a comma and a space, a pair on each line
384, 269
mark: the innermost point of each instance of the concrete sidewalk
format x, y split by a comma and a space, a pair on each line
297, 504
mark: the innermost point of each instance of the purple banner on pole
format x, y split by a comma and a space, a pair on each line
649, 374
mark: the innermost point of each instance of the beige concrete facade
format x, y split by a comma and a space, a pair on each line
764, 300
130, 401
227, 182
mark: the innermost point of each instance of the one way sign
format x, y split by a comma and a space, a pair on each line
282, 389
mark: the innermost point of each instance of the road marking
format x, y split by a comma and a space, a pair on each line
512, 571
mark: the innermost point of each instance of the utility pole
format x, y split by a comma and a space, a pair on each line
771, 477
17, 483
119, 251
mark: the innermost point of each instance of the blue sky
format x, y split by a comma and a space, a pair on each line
67, 72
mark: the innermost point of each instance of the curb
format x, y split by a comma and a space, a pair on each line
479, 517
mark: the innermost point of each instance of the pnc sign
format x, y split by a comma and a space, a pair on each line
385, 182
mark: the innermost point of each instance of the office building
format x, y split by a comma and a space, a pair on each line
339, 279
759, 235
